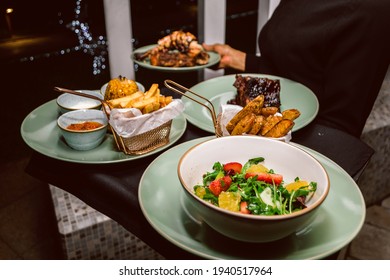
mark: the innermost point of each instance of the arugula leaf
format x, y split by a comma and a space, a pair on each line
209, 196
210, 176
275, 201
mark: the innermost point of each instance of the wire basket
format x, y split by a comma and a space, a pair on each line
144, 142
209, 106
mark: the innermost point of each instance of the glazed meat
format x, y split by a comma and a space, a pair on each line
249, 88
177, 59
178, 49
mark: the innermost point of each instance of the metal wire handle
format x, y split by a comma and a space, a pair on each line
178, 87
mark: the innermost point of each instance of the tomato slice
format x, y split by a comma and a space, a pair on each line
220, 184
243, 207
232, 166
270, 178
226, 181
215, 187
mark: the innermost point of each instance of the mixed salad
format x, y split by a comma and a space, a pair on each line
252, 188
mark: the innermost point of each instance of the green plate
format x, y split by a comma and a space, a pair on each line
220, 90
163, 203
39, 130
214, 59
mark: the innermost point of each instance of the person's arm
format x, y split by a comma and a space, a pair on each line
236, 59
230, 57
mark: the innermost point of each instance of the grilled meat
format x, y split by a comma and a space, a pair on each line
179, 49
249, 88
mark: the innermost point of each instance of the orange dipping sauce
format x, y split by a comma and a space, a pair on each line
84, 126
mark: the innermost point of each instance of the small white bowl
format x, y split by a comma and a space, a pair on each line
70, 102
285, 159
83, 139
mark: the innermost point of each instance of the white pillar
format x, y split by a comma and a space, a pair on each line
119, 35
212, 26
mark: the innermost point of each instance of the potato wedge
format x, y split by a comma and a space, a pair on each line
257, 124
291, 114
269, 111
269, 123
253, 106
280, 129
244, 125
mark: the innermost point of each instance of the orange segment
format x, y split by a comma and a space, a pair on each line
257, 168
229, 201
296, 185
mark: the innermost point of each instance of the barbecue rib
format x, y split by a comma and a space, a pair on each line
249, 88
178, 49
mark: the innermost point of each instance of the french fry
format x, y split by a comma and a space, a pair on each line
142, 103
156, 106
146, 102
134, 101
148, 108
123, 101
168, 99
154, 90
165, 100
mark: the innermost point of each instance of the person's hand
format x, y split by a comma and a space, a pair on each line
230, 57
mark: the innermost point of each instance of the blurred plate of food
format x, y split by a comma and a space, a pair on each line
279, 92
213, 59
178, 51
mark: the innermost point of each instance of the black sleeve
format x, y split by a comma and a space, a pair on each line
252, 63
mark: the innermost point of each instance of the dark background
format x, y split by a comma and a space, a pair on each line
40, 51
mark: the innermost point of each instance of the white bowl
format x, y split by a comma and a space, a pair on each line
285, 159
83, 139
103, 88
70, 102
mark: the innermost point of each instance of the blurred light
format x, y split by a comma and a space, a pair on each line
95, 47
9, 10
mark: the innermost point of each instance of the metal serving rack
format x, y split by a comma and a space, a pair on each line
135, 145
182, 90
